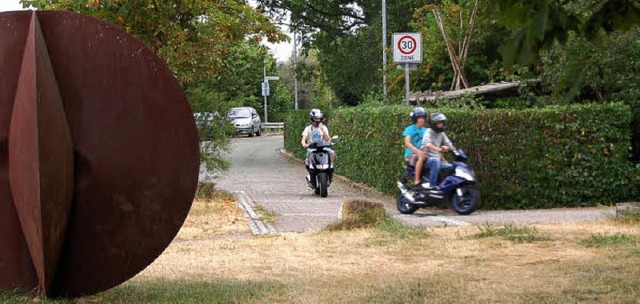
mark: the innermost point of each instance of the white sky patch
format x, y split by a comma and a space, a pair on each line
282, 51
358, 11
10, 5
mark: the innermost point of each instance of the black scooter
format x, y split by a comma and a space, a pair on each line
320, 167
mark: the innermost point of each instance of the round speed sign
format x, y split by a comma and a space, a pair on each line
407, 48
407, 45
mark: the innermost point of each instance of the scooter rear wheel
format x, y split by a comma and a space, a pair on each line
405, 206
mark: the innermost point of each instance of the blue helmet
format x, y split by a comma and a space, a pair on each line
418, 112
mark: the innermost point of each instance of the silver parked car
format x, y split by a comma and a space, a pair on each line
245, 119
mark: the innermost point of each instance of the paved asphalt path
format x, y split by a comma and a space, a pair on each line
264, 177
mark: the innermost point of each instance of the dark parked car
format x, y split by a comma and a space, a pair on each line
245, 119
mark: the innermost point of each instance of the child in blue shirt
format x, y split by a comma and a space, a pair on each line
413, 135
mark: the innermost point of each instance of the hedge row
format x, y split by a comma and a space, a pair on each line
564, 156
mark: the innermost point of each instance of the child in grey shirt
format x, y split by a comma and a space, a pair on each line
435, 141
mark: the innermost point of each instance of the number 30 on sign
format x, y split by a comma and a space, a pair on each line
407, 47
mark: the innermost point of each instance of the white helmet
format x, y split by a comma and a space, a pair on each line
316, 114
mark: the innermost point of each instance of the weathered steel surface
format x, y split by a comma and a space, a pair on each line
16, 268
40, 158
92, 96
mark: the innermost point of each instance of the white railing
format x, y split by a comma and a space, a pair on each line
272, 125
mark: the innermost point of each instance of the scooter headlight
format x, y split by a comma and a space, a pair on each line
323, 167
465, 174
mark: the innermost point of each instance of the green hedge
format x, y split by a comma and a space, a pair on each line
564, 156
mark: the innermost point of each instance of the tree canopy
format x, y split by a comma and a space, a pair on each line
194, 37
212, 47
539, 24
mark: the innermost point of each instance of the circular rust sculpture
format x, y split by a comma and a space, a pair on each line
98, 154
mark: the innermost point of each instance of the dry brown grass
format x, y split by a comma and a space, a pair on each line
369, 266
214, 217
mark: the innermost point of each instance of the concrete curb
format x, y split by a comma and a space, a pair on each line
257, 226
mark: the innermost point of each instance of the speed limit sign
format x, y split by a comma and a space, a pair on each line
407, 47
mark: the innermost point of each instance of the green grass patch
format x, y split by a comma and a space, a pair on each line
19, 296
392, 231
180, 291
396, 229
629, 218
205, 190
618, 239
358, 214
516, 234
363, 222
424, 290
183, 291
265, 215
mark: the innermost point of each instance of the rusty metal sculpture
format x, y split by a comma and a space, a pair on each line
98, 154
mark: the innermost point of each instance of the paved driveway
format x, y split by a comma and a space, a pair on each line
263, 177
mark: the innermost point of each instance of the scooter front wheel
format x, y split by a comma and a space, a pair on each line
465, 200
405, 206
323, 184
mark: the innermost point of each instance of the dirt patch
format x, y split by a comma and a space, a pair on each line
214, 217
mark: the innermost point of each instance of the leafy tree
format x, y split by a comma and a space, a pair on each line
211, 47
538, 25
281, 102
307, 72
352, 71
478, 37
605, 70
588, 48
347, 35
193, 37
457, 56
307, 16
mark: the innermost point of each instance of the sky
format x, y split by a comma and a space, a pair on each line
282, 51
10, 5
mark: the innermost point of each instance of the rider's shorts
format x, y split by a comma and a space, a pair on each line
411, 160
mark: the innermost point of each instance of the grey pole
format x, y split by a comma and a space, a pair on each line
384, 49
295, 70
406, 79
266, 118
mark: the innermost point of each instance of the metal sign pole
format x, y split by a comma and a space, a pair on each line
266, 119
295, 70
384, 50
406, 80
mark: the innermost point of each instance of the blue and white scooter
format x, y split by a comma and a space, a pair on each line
457, 188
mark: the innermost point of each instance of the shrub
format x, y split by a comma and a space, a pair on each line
559, 156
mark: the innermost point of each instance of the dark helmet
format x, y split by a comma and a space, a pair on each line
316, 113
418, 112
438, 117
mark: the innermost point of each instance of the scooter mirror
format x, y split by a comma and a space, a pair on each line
335, 137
